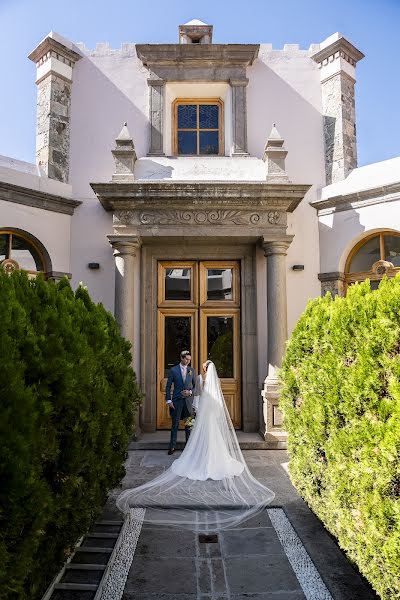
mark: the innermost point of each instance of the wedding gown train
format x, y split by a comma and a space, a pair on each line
209, 487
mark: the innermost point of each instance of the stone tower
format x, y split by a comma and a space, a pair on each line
337, 59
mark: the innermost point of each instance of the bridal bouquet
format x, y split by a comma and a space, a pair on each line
189, 422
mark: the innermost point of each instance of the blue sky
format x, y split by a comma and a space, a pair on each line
372, 25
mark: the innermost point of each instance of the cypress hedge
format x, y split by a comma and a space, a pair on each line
341, 405
67, 399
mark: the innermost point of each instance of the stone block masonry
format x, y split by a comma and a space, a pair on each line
53, 127
338, 101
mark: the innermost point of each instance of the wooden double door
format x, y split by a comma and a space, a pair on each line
199, 310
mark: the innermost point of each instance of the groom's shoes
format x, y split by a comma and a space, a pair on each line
171, 450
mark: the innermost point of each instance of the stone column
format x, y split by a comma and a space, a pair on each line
126, 252
275, 252
239, 117
337, 59
55, 59
156, 91
126, 247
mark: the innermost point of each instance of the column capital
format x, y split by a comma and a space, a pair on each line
125, 245
239, 82
279, 246
156, 82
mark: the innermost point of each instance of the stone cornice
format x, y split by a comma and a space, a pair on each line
199, 195
341, 45
10, 192
49, 45
206, 55
378, 195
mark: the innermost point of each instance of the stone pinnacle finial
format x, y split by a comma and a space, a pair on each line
124, 155
274, 157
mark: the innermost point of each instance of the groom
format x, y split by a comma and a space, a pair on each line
183, 377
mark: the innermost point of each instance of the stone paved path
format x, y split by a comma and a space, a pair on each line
249, 562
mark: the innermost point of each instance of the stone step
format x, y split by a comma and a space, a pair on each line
83, 576
245, 445
97, 549
85, 567
105, 522
77, 587
72, 595
105, 535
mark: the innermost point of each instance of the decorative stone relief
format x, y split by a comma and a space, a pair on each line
221, 217
273, 217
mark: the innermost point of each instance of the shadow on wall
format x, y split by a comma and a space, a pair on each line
271, 99
150, 169
338, 238
98, 110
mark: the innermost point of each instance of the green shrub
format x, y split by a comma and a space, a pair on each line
68, 395
341, 404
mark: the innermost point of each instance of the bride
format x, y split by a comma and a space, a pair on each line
209, 487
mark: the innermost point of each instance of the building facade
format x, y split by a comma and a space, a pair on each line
203, 193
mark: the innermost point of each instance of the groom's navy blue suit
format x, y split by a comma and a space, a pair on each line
182, 404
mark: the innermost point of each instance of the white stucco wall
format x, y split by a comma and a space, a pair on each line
110, 87
340, 231
52, 229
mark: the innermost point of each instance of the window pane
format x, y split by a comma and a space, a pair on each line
25, 254
208, 116
187, 116
209, 142
219, 284
187, 142
177, 338
220, 344
392, 249
366, 256
3, 245
177, 284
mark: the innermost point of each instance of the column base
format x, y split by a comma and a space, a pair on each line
273, 433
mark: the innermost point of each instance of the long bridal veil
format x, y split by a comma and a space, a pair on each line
209, 487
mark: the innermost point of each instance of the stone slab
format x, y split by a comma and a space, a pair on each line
162, 575
270, 573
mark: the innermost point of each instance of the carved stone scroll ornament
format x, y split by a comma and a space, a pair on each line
199, 217
9, 265
382, 267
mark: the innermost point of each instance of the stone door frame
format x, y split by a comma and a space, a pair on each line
245, 253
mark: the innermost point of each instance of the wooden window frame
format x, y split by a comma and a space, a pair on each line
29, 242
162, 266
363, 275
198, 102
222, 264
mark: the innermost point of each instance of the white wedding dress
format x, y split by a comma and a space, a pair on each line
209, 487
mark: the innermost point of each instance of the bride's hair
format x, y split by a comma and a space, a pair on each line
205, 365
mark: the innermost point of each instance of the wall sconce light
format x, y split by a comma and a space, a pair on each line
298, 268
94, 265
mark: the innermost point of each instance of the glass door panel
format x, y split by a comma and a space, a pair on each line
199, 310
219, 283
220, 342
177, 331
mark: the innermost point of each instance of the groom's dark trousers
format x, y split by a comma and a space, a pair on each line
182, 404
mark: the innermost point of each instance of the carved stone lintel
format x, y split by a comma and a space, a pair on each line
218, 217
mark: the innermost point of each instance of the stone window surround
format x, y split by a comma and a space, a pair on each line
197, 63
175, 93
